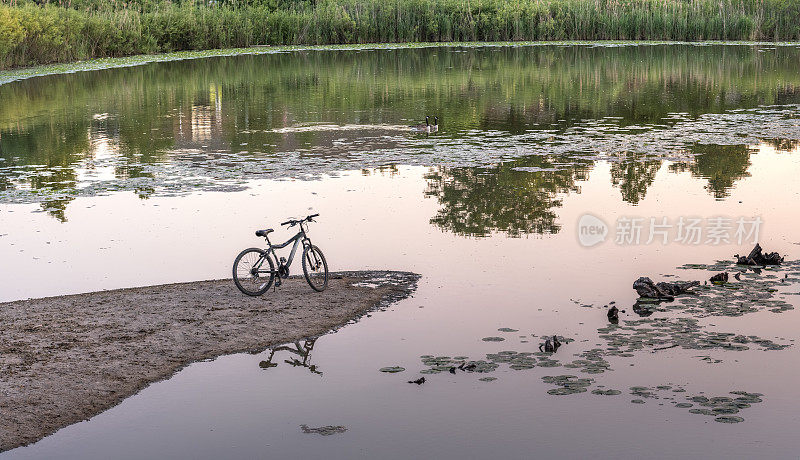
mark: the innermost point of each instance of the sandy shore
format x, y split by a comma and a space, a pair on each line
65, 359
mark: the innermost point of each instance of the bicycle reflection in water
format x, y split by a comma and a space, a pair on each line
303, 351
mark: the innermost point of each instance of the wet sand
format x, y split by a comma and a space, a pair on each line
65, 359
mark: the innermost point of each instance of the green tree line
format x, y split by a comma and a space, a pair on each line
38, 32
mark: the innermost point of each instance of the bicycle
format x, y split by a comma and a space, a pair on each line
252, 277
303, 351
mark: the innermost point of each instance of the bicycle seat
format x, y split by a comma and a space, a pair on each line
264, 232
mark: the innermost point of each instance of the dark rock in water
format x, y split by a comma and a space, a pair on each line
719, 278
613, 314
756, 257
419, 381
645, 287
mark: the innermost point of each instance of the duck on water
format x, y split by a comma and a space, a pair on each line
427, 127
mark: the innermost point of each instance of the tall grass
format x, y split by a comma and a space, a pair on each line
35, 33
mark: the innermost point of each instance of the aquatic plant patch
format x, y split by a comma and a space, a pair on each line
676, 326
175, 171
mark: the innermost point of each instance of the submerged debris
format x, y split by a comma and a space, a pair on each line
419, 381
644, 309
645, 287
719, 278
613, 314
757, 258
550, 346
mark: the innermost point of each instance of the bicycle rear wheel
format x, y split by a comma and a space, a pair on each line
315, 268
250, 272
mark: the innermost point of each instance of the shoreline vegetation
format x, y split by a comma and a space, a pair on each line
43, 32
102, 63
68, 358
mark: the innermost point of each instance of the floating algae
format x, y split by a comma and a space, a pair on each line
752, 292
643, 392
327, 430
492, 339
487, 379
569, 384
722, 407
701, 411
392, 369
729, 419
507, 329
606, 392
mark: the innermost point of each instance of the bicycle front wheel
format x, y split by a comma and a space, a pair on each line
253, 271
315, 268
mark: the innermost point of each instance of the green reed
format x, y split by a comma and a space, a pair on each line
67, 31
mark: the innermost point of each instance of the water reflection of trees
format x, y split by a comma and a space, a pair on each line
231, 105
722, 165
783, 145
633, 173
516, 197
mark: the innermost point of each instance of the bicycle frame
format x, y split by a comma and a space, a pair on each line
297, 239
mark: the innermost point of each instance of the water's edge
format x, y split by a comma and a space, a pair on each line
114, 358
9, 76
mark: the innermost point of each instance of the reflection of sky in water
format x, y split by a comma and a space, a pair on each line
531, 140
470, 288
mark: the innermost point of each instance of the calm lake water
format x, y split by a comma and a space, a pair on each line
160, 173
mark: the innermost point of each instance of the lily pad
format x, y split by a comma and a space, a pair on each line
701, 411
392, 369
729, 419
606, 392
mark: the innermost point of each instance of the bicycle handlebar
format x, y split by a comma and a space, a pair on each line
293, 222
